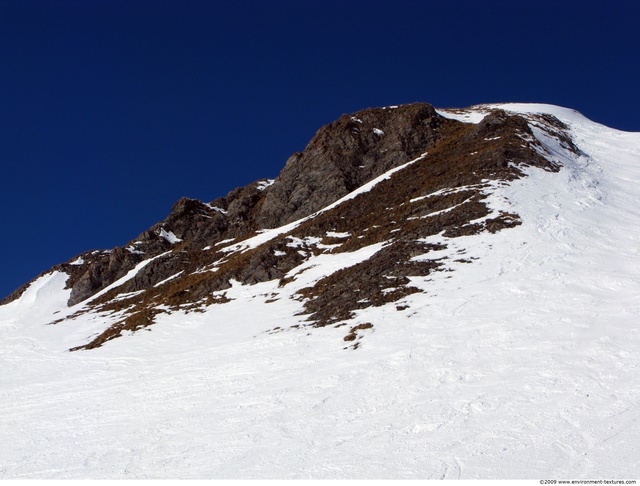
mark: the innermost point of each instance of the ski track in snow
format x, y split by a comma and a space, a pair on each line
523, 364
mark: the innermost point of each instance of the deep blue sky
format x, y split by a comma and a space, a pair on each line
110, 111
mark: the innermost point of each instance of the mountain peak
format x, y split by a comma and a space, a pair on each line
445, 292
387, 179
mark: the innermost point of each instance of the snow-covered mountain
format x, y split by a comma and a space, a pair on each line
421, 293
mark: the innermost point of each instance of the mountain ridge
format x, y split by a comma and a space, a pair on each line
342, 157
404, 339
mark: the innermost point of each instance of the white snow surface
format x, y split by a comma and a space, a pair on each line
523, 364
215, 208
262, 185
169, 236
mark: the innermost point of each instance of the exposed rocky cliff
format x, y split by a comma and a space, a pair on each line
445, 169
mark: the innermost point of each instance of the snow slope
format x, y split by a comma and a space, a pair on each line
523, 364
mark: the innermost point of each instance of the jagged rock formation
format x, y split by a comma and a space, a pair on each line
406, 173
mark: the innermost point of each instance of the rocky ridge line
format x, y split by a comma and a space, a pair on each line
441, 192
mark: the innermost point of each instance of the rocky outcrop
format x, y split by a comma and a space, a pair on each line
346, 154
187, 257
341, 157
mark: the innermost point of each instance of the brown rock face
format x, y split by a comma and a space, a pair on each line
340, 158
441, 192
346, 154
